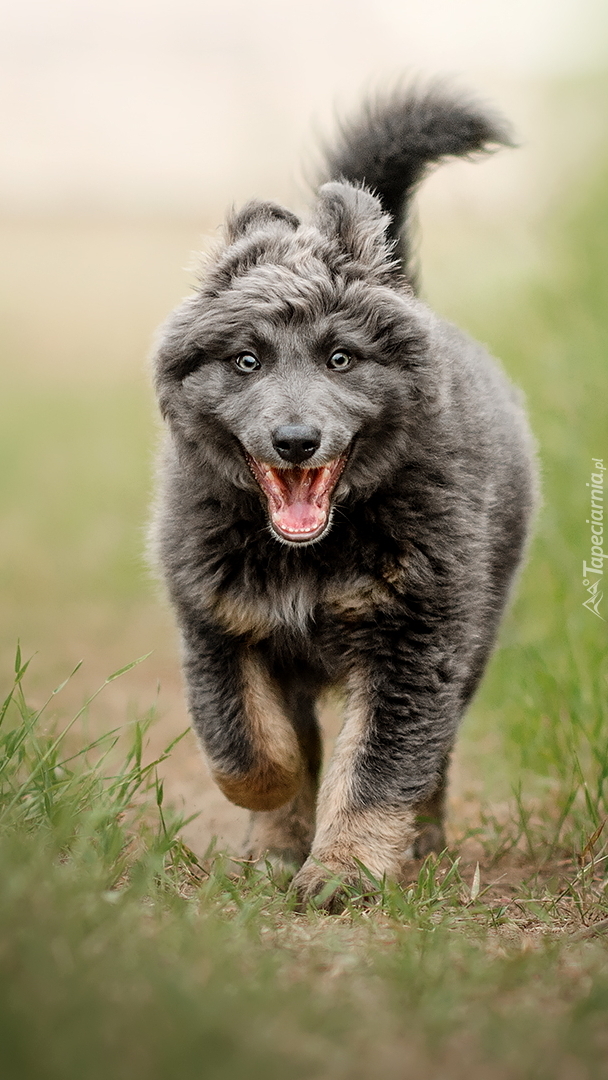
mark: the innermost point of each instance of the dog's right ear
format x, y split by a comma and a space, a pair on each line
255, 215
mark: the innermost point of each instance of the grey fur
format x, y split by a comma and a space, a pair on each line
400, 595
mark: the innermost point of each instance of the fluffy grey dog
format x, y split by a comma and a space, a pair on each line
345, 492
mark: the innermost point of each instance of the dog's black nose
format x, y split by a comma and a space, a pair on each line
296, 442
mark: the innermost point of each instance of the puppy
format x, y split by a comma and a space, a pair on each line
346, 488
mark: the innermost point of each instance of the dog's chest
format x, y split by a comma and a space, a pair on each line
296, 606
258, 615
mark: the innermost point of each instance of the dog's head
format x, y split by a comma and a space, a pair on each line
294, 368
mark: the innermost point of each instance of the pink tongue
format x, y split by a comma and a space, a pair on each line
299, 518
299, 502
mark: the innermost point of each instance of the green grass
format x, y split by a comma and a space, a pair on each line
90, 485
122, 954
553, 715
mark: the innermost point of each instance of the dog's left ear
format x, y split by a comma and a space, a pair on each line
356, 219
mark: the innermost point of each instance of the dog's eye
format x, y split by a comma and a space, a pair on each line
246, 361
340, 360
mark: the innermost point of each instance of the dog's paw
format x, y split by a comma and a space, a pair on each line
328, 887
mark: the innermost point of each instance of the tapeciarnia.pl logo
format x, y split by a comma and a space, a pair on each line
593, 571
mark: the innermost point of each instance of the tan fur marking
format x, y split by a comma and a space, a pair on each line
240, 619
352, 600
278, 771
263, 788
257, 617
395, 569
335, 795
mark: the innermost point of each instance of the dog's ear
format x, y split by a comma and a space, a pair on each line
255, 215
356, 219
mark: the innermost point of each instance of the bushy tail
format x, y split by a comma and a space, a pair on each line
390, 146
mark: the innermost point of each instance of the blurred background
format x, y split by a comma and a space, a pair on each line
126, 130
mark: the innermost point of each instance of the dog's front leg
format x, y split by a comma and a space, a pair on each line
388, 761
284, 836
238, 713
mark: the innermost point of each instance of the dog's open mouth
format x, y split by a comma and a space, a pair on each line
299, 498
